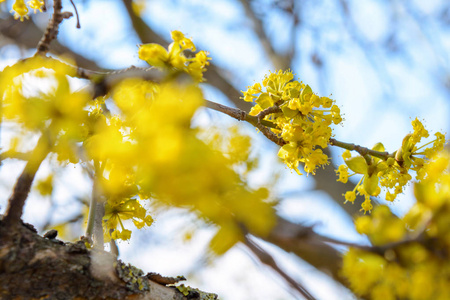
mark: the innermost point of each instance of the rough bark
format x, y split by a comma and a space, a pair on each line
35, 267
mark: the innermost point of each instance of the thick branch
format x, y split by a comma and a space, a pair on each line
267, 259
34, 267
308, 245
23, 185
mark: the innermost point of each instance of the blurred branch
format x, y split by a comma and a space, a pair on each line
27, 35
368, 49
278, 61
308, 245
12, 154
23, 184
325, 180
267, 259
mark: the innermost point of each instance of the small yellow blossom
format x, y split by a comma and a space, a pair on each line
343, 173
174, 58
36, 5
154, 55
346, 155
350, 196
45, 186
20, 9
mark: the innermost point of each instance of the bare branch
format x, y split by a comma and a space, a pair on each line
361, 150
52, 28
278, 61
308, 245
22, 188
238, 114
267, 259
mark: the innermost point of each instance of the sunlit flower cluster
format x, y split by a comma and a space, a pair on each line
393, 172
117, 210
57, 113
174, 58
154, 147
411, 260
302, 120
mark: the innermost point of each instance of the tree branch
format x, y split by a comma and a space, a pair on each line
52, 28
278, 61
23, 184
268, 260
363, 151
308, 245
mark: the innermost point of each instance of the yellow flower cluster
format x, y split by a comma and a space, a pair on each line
393, 172
57, 113
117, 210
411, 259
20, 9
301, 117
150, 151
174, 58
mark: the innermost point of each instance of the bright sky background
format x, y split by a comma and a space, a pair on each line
375, 110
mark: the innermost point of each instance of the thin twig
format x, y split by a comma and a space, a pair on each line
361, 150
238, 114
104, 81
268, 260
76, 14
52, 28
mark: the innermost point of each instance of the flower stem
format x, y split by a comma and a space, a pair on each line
94, 228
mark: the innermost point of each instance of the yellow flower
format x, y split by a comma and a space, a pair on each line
350, 196
346, 155
303, 123
343, 173
173, 58
21, 10
154, 54
366, 206
36, 5
45, 186
118, 210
